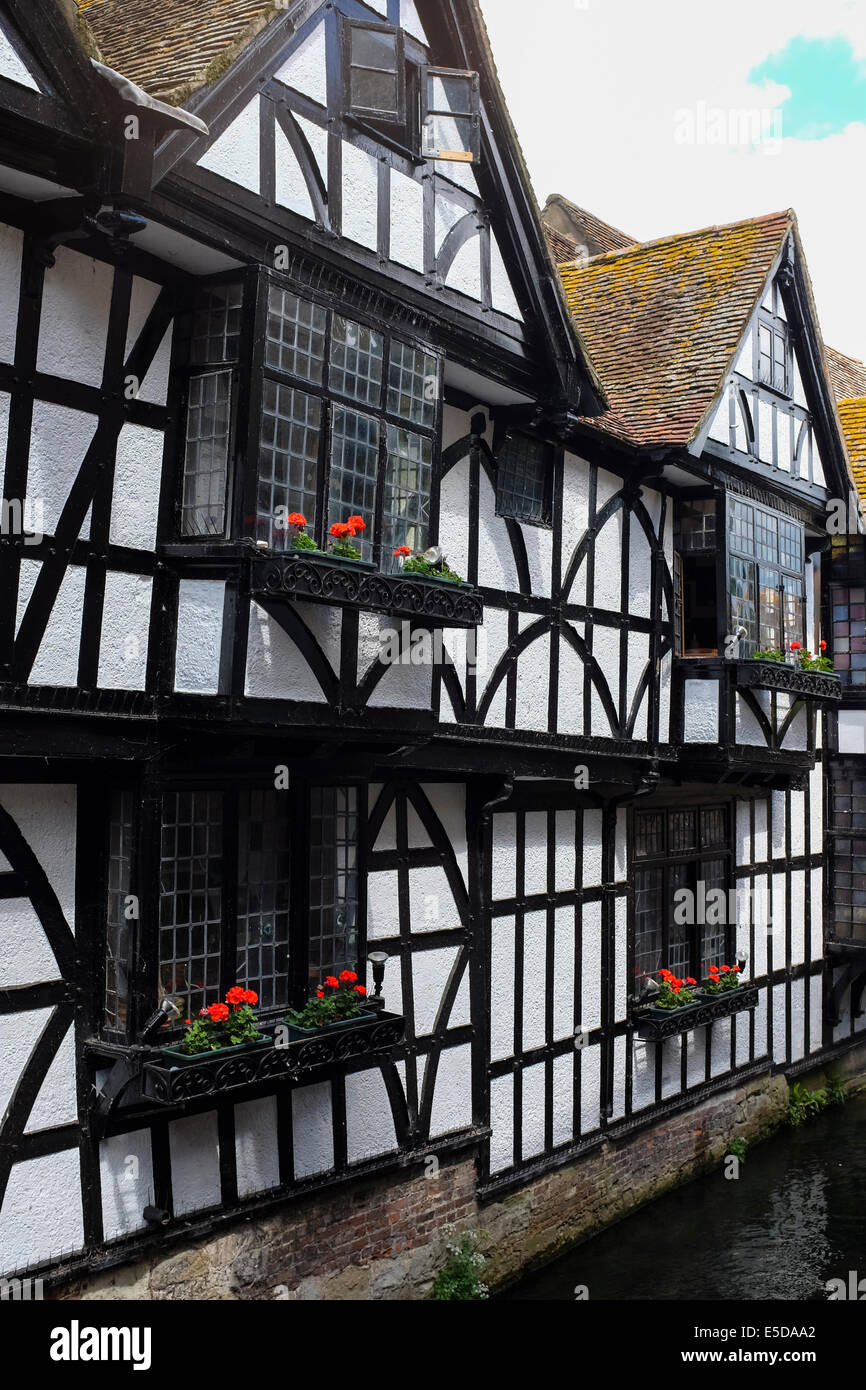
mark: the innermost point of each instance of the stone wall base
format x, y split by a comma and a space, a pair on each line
385, 1237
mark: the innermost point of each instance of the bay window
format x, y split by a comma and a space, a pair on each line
347, 421
766, 577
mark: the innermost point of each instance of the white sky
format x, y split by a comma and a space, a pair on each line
596, 89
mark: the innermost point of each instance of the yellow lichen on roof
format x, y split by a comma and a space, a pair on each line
662, 322
852, 413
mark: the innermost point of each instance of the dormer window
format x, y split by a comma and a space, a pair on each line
773, 354
426, 112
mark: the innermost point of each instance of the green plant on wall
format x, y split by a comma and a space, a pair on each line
805, 1105
737, 1148
459, 1277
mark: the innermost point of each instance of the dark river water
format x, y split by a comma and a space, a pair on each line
794, 1218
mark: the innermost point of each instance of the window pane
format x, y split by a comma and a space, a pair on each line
766, 536
649, 833
714, 828
681, 876
288, 460
205, 465
521, 480
770, 638
216, 325
375, 91
295, 341
698, 524
407, 494
190, 898
354, 471
333, 881
452, 94
372, 49
741, 585
449, 133
119, 941
791, 546
741, 526
264, 874
713, 935
413, 385
794, 610
356, 361
682, 829
648, 908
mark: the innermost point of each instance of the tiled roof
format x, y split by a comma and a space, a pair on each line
847, 374
662, 322
563, 249
852, 413
587, 226
171, 47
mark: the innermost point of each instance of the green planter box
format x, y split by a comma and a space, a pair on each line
296, 1033
174, 1057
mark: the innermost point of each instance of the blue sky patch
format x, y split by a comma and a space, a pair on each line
827, 85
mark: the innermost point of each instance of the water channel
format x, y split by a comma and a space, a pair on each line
794, 1219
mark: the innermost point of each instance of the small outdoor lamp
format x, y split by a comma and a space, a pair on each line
742, 960
378, 959
649, 991
167, 1012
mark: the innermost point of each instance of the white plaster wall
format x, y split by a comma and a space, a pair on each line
563, 1021
312, 1130
590, 1001
369, 1119
290, 187
431, 973
502, 294
41, 1217
701, 724
452, 1097
57, 659
360, 196
45, 815
643, 1074
590, 1088
13, 67
126, 1180
56, 1102
501, 1122
195, 1163
199, 636
563, 1099
135, 496
125, 629
534, 979
407, 221
257, 1156
74, 320
306, 68
532, 1129
465, 272
25, 955
59, 439
592, 848
234, 155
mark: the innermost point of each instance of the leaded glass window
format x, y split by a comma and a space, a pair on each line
848, 598
766, 586
848, 839
288, 460
121, 915
523, 480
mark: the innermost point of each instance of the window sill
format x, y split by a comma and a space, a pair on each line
322, 578
655, 1029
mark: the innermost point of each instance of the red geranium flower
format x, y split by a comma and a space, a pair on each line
356, 523
403, 551
250, 996
348, 976
690, 981
796, 646
726, 970
360, 989
187, 1021
735, 970
331, 982
714, 970
235, 996
339, 530
823, 645
297, 519
320, 994
218, 1013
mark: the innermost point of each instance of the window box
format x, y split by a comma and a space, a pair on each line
779, 675
297, 1034
708, 1010
327, 579
174, 1057
213, 1075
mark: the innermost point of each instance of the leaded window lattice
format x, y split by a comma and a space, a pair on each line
205, 469
287, 478
523, 480
333, 880
766, 583
120, 922
295, 335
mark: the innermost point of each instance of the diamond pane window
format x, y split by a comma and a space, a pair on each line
295, 341
205, 465
356, 361
413, 385
288, 460
522, 480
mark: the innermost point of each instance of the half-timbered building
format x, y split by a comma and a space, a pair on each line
263, 259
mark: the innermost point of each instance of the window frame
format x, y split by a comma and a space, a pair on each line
397, 119
503, 436
761, 564
473, 115
333, 400
668, 860
144, 945
779, 331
